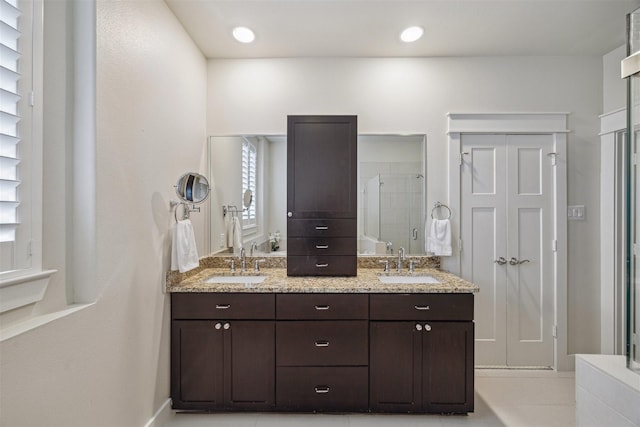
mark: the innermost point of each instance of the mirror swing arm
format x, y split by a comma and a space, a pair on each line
247, 198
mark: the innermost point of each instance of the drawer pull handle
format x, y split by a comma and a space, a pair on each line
322, 246
322, 389
322, 265
322, 307
322, 227
421, 307
223, 306
322, 343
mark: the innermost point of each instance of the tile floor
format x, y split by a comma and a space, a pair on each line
512, 398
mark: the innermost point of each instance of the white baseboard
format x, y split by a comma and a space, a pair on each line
161, 416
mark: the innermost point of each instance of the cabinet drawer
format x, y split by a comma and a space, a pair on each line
322, 306
322, 389
222, 306
320, 265
322, 228
330, 343
322, 246
421, 307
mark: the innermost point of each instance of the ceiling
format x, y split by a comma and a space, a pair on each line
371, 28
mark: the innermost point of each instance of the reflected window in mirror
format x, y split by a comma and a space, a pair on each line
249, 175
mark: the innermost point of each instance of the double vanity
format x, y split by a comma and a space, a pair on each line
322, 329
375, 342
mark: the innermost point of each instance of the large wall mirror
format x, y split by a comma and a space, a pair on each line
391, 192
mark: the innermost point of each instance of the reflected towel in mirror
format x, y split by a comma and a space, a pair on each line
229, 230
237, 233
184, 253
439, 238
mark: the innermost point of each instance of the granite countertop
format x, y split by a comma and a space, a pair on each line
277, 281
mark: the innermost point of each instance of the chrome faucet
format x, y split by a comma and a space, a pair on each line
254, 245
243, 260
401, 258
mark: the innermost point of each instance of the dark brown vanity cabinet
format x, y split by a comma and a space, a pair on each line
421, 353
322, 352
321, 195
222, 351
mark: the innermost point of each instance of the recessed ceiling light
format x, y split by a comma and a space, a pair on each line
243, 34
411, 34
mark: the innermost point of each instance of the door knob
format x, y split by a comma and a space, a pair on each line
515, 261
501, 261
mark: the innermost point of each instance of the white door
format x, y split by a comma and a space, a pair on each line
507, 236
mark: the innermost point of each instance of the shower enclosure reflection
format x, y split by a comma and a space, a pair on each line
393, 212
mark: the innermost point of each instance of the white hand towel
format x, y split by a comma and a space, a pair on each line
237, 233
184, 253
229, 230
439, 239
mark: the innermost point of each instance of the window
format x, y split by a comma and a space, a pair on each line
11, 89
249, 174
21, 153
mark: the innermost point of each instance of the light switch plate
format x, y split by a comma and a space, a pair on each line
576, 212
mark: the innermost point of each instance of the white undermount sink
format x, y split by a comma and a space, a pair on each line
408, 279
236, 279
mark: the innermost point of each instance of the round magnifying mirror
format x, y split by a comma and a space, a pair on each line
192, 188
247, 198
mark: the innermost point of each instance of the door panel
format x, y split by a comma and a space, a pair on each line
447, 352
484, 240
395, 367
484, 176
506, 211
250, 361
530, 233
197, 361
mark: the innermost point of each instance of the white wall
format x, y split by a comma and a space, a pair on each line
108, 365
414, 95
614, 88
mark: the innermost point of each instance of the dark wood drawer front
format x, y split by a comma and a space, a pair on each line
421, 307
331, 343
322, 306
322, 246
322, 228
222, 306
329, 265
322, 389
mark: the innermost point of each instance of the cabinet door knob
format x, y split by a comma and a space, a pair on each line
226, 326
322, 389
322, 343
418, 327
322, 246
421, 307
218, 325
223, 306
322, 307
289, 214
322, 265
322, 227
427, 328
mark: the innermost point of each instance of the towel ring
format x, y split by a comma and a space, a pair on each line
441, 205
185, 209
